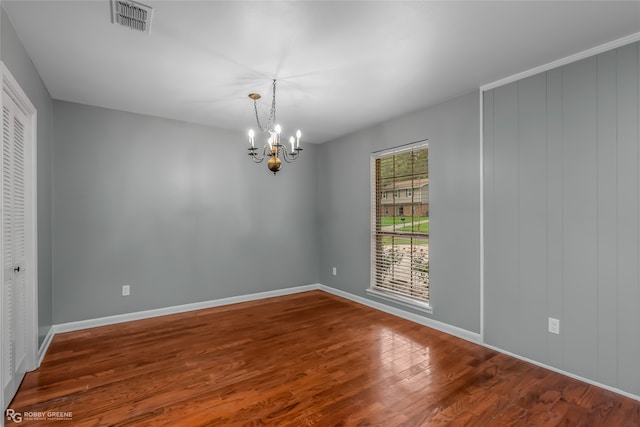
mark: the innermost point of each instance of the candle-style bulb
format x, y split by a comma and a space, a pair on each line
291, 140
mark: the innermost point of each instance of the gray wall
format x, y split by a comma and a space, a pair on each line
561, 188
344, 205
175, 210
19, 64
179, 212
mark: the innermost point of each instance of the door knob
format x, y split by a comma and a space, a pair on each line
17, 269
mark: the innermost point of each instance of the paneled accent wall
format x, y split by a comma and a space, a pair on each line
561, 217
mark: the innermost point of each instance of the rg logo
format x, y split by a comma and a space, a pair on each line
14, 416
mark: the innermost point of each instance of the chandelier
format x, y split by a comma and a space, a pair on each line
273, 149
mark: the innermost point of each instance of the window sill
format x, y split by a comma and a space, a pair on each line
399, 299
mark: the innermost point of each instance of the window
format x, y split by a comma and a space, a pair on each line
384, 194
400, 244
396, 194
409, 192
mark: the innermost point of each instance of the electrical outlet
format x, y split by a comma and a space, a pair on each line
334, 271
554, 326
126, 290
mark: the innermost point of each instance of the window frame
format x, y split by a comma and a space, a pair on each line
373, 289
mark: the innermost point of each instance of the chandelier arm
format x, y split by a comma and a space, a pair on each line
255, 157
288, 157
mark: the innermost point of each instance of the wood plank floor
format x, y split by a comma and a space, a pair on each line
303, 359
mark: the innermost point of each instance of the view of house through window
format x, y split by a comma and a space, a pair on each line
400, 223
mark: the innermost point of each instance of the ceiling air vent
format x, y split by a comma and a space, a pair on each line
131, 14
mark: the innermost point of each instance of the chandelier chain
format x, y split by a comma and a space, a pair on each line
273, 105
271, 122
255, 107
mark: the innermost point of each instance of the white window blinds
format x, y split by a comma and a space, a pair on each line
400, 222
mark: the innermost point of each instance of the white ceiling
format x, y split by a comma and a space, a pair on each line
341, 65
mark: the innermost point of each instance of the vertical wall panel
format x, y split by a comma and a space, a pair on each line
606, 227
579, 208
503, 294
577, 231
532, 214
554, 212
627, 112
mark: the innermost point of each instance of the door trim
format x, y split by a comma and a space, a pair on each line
10, 87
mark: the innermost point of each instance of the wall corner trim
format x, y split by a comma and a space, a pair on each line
631, 38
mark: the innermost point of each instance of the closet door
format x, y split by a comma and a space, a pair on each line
13, 235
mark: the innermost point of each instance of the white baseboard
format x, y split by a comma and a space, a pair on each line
120, 318
466, 335
560, 371
45, 345
138, 315
422, 320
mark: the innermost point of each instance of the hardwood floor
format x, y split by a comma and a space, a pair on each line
303, 359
